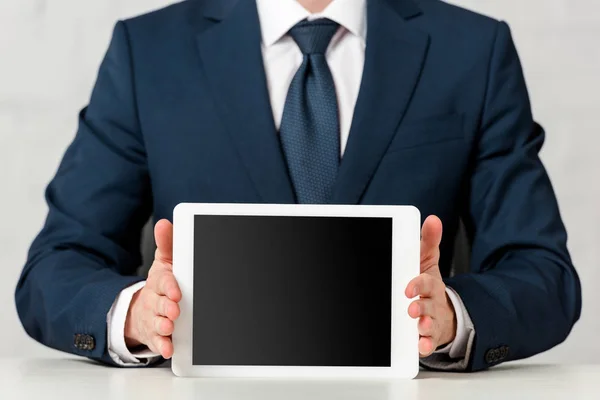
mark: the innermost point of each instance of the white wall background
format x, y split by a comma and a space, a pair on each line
50, 52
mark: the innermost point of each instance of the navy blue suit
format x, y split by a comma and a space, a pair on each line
180, 113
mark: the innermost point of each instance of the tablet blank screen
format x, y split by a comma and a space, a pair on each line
293, 291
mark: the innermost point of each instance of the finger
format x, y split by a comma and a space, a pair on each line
426, 346
426, 326
170, 288
154, 344
166, 307
163, 235
163, 346
163, 283
421, 308
163, 326
423, 285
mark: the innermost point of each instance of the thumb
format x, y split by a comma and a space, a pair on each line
163, 235
431, 233
431, 237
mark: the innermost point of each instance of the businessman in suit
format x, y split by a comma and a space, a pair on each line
309, 101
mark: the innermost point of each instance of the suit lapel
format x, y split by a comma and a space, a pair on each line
394, 59
231, 57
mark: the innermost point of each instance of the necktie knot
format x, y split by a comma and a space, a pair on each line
313, 37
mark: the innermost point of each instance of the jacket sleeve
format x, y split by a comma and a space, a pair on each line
99, 200
523, 293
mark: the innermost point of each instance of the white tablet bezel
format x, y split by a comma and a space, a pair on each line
406, 222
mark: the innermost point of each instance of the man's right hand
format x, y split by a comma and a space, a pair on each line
154, 309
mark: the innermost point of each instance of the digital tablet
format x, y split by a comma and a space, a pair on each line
295, 291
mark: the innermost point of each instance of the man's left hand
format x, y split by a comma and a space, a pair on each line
437, 320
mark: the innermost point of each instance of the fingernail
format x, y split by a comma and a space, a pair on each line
416, 291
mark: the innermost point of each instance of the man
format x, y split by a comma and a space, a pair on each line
310, 101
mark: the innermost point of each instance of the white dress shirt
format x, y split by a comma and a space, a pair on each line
282, 58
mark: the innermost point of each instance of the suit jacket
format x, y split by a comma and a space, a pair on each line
180, 113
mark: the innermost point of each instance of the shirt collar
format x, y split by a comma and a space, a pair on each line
277, 17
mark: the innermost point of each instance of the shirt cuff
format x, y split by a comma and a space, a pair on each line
115, 320
458, 347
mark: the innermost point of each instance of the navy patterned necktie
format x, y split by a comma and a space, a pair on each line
310, 127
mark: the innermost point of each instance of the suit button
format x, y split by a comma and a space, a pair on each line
492, 356
504, 352
496, 353
84, 342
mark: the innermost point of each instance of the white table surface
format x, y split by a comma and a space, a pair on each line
80, 379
